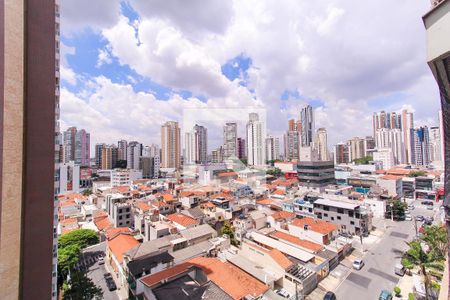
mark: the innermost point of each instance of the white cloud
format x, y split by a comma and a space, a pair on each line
103, 58
344, 53
78, 15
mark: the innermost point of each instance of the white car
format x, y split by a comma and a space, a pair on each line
408, 218
283, 293
358, 264
101, 260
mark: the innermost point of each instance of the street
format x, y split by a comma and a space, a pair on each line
380, 259
95, 271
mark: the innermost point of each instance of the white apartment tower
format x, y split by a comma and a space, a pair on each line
407, 125
272, 148
322, 144
255, 141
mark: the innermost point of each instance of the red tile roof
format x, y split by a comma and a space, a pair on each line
112, 232
390, 177
280, 258
264, 202
120, 244
103, 224
316, 225
122, 189
227, 174
142, 206
183, 220
230, 278
283, 215
166, 274
296, 241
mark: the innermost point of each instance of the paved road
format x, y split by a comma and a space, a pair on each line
378, 272
96, 271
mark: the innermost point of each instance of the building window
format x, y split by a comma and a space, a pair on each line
340, 210
352, 223
350, 214
325, 215
327, 208
332, 218
338, 217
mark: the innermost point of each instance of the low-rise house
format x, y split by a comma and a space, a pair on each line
182, 221
280, 219
315, 230
392, 184
352, 216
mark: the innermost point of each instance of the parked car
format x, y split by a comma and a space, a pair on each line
358, 264
419, 218
101, 260
408, 218
385, 295
110, 283
399, 269
411, 207
430, 207
282, 293
329, 296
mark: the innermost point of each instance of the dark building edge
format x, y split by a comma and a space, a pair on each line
39, 150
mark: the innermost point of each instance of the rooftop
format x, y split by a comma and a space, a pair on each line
316, 225
347, 204
182, 220
297, 241
120, 244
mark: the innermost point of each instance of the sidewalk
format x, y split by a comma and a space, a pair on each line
121, 292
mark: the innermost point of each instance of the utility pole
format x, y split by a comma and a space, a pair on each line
392, 212
415, 225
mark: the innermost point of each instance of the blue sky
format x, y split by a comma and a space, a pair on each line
150, 60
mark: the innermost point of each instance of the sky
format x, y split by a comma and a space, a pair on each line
127, 67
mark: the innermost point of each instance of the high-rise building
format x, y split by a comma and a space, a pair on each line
241, 150
69, 178
369, 145
435, 144
77, 146
98, 154
109, 157
196, 142
82, 149
134, 152
385, 156
122, 146
341, 153
356, 148
29, 175
307, 121
170, 145
407, 125
382, 138
217, 155
272, 148
292, 142
255, 141
321, 144
438, 57
230, 146
397, 145
420, 145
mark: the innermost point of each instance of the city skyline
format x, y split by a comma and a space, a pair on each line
227, 72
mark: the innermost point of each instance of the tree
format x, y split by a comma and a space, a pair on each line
79, 237
398, 210
436, 238
418, 256
275, 172
68, 257
81, 287
417, 173
226, 229
87, 192
363, 160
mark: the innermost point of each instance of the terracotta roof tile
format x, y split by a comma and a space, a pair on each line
230, 278
103, 224
297, 241
280, 258
183, 220
112, 232
120, 244
316, 225
228, 174
143, 206
265, 202
282, 215
165, 274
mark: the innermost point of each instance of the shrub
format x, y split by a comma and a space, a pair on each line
397, 291
410, 296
